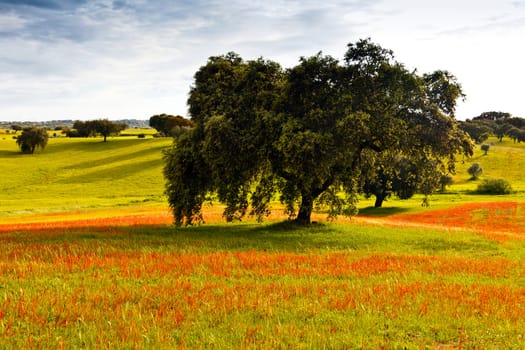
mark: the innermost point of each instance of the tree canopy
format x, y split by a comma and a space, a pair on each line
389, 174
103, 127
499, 124
170, 125
307, 132
32, 138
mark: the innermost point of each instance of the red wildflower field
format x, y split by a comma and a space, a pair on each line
134, 282
496, 220
131, 220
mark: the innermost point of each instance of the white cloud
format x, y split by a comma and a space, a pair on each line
10, 22
136, 58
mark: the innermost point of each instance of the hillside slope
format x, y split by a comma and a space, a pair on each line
124, 176
81, 174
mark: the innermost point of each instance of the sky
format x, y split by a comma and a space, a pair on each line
117, 59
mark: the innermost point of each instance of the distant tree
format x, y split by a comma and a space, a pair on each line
516, 122
391, 174
169, 125
478, 130
103, 127
32, 138
81, 129
502, 130
493, 116
106, 127
485, 148
475, 170
516, 134
445, 180
16, 127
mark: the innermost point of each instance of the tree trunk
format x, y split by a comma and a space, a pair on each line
305, 210
379, 201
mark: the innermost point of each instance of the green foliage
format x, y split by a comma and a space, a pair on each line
445, 180
105, 127
493, 116
183, 161
479, 130
32, 138
485, 148
500, 124
390, 173
517, 134
169, 125
88, 128
303, 132
475, 170
494, 186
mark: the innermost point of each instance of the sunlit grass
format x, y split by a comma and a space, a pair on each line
260, 286
80, 174
89, 259
504, 160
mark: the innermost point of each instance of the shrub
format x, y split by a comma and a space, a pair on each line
73, 133
494, 186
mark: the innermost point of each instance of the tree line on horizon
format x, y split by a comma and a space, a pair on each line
32, 138
499, 124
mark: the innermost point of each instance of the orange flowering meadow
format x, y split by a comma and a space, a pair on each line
141, 220
500, 221
136, 282
59, 291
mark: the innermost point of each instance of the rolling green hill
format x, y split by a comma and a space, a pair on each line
79, 174
84, 174
504, 160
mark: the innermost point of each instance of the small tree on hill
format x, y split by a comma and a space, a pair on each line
31, 138
475, 170
485, 148
392, 174
106, 127
81, 129
445, 180
103, 127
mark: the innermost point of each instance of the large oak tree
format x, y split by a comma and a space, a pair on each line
303, 132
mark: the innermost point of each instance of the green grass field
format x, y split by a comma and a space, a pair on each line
88, 174
81, 174
448, 276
